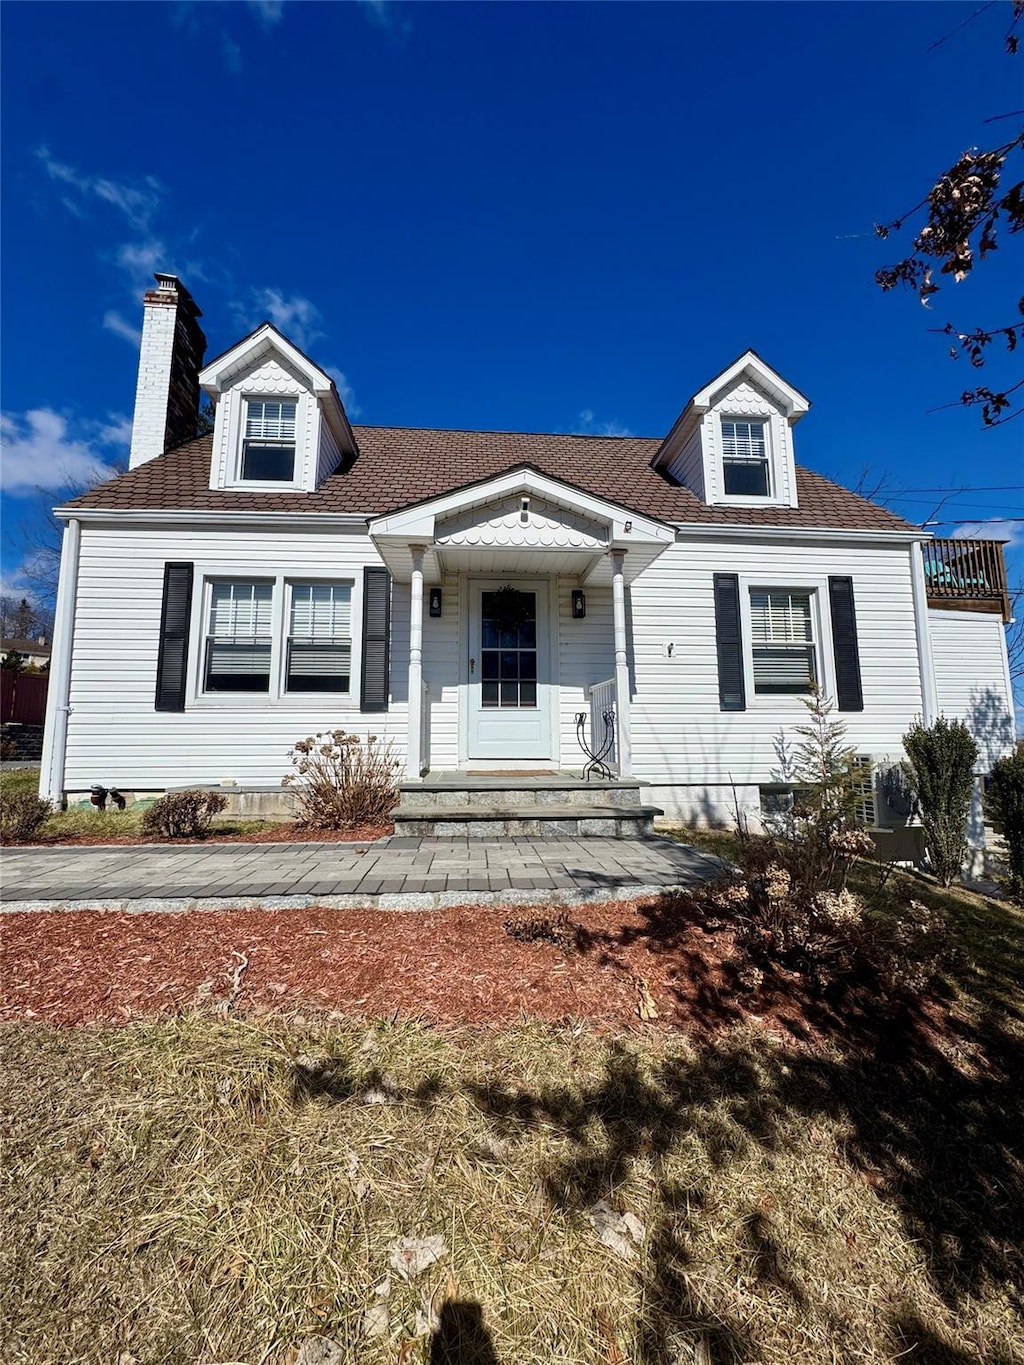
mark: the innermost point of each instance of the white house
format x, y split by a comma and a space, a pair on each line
469, 594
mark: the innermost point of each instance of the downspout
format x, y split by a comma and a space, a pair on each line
55, 736
925, 663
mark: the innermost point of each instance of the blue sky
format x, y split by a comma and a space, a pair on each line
536, 217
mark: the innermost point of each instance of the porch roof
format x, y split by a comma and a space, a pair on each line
521, 521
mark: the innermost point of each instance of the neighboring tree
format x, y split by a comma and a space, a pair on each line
942, 759
13, 662
41, 542
19, 619
206, 417
1006, 799
964, 213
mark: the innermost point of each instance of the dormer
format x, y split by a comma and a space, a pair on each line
279, 423
732, 445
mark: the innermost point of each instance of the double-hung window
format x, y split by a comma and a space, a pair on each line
783, 643
239, 637
319, 646
268, 445
279, 636
745, 458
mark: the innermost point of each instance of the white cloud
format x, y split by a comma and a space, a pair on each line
138, 202
298, 318
1012, 531
39, 455
114, 322
386, 14
345, 391
232, 54
140, 260
590, 426
268, 12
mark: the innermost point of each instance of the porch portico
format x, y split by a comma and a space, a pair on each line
564, 560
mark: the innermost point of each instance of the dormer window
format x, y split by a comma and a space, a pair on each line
745, 459
268, 446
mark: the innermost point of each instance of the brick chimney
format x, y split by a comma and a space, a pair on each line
171, 356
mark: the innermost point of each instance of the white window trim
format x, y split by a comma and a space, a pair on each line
747, 500
236, 437
821, 625
774, 496
276, 698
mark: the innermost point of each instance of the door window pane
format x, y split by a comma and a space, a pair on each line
508, 652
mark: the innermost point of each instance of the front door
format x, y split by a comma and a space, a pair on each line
510, 690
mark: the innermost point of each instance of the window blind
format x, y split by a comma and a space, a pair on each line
239, 637
782, 639
743, 441
319, 637
269, 421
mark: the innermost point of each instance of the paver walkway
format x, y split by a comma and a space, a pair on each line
395, 873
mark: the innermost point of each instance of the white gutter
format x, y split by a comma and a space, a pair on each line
162, 517
55, 735
925, 662
732, 530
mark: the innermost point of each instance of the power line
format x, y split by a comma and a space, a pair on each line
973, 521
964, 488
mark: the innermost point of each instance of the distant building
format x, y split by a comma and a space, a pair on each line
35, 651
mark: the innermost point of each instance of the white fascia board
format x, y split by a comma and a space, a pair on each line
793, 399
418, 522
732, 531
206, 519
681, 429
264, 338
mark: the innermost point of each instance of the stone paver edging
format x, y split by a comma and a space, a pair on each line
391, 874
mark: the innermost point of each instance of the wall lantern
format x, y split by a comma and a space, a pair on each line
579, 604
435, 601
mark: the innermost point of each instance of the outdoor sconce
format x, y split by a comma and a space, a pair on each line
579, 604
435, 601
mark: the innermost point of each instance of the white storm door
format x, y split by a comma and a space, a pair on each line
510, 690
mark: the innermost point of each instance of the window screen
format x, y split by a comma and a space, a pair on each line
745, 459
268, 450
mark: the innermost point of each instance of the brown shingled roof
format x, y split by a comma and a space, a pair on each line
398, 466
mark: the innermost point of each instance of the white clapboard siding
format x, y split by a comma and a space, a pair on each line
115, 736
972, 679
586, 656
441, 660
687, 467
681, 737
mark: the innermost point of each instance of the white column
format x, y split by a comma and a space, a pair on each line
412, 765
624, 748
55, 735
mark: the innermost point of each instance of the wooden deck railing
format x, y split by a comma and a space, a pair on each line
966, 574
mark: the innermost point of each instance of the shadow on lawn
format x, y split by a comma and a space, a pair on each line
935, 1117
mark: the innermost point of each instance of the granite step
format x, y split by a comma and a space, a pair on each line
540, 820
506, 790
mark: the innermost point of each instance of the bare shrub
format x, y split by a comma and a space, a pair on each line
791, 905
183, 815
557, 929
21, 815
341, 781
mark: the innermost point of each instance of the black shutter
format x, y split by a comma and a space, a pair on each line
376, 639
172, 660
731, 691
849, 693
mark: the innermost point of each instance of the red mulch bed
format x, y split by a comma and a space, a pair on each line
276, 834
449, 966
